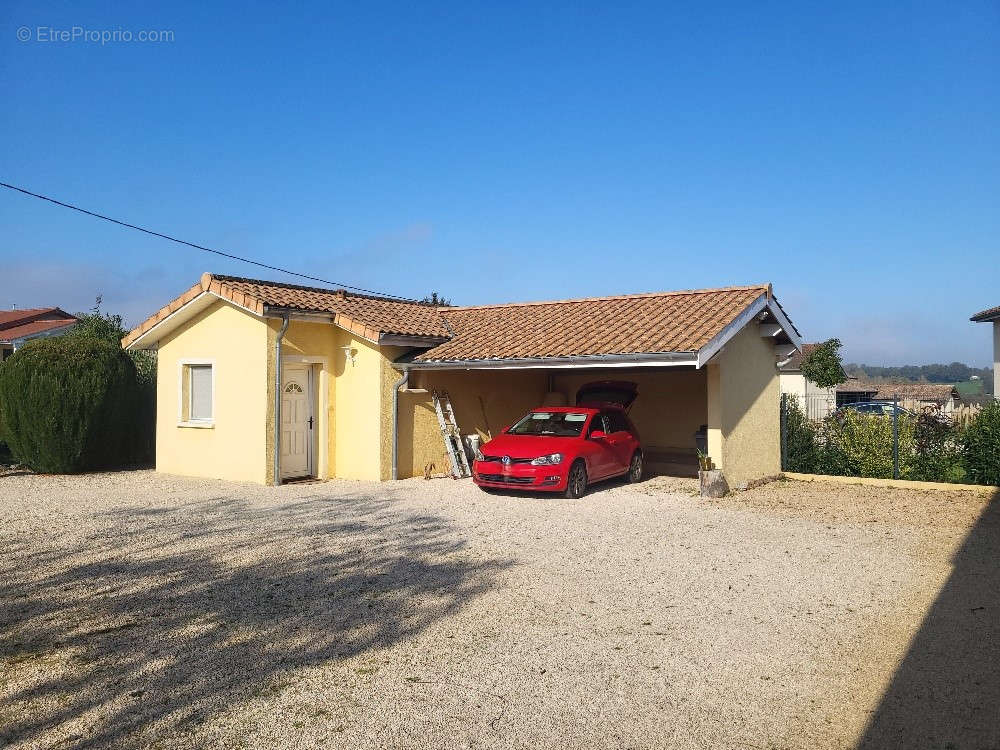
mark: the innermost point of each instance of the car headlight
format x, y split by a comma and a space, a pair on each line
550, 460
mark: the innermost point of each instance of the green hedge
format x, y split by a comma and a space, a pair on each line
932, 447
982, 446
75, 404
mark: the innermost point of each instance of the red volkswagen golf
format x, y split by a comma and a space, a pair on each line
566, 448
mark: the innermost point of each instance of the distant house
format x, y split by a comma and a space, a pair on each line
992, 316
816, 402
19, 326
913, 396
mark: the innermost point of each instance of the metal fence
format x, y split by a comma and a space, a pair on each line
893, 407
818, 405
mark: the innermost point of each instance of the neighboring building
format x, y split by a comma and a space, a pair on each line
18, 326
916, 397
350, 376
816, 402
992, 316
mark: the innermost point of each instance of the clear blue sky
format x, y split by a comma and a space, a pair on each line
847, 152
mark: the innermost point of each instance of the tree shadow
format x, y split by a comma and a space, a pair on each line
166, 617
946, 691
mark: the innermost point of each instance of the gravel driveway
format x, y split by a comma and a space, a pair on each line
139, 609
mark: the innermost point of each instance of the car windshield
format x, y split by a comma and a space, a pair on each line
555, 423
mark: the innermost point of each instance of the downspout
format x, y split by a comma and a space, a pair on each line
395, 422
277, 399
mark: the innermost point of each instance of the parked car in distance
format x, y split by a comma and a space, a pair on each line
878, 408
566, 448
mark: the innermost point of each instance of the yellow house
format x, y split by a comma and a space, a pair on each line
265, 382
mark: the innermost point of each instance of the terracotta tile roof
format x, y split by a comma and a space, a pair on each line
18, 324
986, 315
667, 322
367, 316
937, 392
629, 324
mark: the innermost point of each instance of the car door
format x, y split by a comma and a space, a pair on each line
620, 439
600, 453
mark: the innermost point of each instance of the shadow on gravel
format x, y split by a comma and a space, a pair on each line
946, 692
167, 618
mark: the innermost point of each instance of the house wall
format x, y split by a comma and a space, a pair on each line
996, 359
744, 436
485, 401
234, 447
816, 402
793, 383
358, 409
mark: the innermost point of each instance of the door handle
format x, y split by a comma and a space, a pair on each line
310, 423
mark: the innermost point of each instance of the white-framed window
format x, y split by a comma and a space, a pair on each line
196, 407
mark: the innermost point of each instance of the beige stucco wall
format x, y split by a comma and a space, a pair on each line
357, 408
505, 396
234, 447
996, 359
744, 436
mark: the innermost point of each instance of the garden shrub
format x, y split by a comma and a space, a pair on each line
860, 445
801, 449
71, 404
937, 450
982, 446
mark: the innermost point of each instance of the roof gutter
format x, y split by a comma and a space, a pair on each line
660, 359
277, 399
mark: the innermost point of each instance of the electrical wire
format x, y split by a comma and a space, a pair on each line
202, 247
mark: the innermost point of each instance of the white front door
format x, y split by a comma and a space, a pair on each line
296, 421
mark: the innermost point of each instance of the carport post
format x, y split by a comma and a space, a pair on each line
784, 431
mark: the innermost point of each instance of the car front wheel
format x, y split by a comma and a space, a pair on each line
576, 483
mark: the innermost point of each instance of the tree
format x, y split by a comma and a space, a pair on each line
98, 325
822, 365
434, 299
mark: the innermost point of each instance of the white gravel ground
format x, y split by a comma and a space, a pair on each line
139, 609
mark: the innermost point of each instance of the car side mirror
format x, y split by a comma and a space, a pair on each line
598, 435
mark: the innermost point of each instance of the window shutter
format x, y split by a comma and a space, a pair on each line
201, 392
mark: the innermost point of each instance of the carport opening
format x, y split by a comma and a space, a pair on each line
670, 408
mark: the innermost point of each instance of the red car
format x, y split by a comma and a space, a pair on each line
565, 448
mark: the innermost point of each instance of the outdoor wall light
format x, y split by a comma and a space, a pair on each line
350, 354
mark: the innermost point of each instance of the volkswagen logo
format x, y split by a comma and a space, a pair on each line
505, 460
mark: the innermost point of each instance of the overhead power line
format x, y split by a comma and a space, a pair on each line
202, 247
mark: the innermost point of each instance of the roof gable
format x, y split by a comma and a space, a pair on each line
368, 316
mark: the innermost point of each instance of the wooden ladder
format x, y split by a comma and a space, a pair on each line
452, 437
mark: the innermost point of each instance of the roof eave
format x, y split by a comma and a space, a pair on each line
653, 359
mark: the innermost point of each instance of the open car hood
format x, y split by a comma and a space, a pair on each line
607, 393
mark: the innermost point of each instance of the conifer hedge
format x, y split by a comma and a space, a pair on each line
73, 404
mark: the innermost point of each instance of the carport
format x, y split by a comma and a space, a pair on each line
672, 404
700, 358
